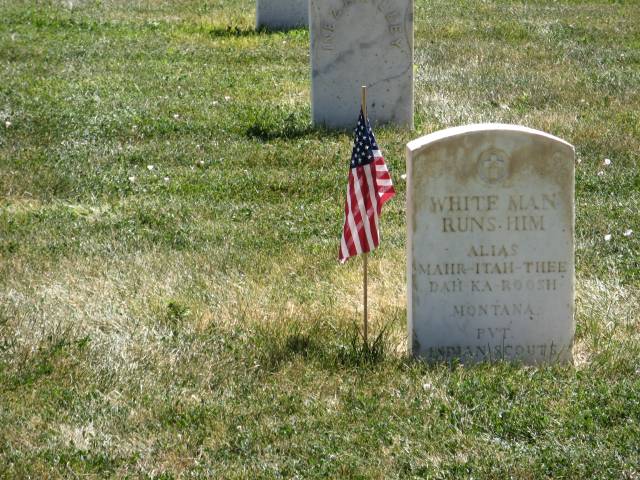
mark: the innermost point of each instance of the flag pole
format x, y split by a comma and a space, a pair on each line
366, 255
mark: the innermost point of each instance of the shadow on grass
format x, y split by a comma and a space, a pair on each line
272, 123
235, 31
59, 353
261, 132
346, 351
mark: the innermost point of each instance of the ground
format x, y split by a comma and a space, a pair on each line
170, 301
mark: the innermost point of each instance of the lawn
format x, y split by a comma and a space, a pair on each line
171, 305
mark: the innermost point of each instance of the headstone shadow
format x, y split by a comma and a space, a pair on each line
271, 124
230, 31
266, 133
330, 353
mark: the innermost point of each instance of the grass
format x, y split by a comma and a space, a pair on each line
191, 321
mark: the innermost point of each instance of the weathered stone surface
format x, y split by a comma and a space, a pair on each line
490, 253
361, 42
282, 14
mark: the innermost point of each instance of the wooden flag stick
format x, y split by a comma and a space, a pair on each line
366, 255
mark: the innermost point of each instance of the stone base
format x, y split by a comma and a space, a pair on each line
282, 14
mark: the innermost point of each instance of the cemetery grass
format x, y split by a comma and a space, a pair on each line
170, 301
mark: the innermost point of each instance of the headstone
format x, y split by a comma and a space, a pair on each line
361, 42
282, 14
490, 245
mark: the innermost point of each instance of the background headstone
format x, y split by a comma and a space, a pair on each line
490, 246
282, 14
355, 43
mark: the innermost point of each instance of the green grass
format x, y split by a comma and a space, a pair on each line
200, 326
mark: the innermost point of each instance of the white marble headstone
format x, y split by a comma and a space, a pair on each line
282, 14
490, 245
361, 42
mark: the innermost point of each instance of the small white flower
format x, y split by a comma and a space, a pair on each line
132, 179
600, 173
628, 233
150, 167
504, 107
198, 147
166, 179
403, 176
427, 386
215, 102
176, 116
7, 124
201, 162
578, 160
607, 162
607, 237
227, 98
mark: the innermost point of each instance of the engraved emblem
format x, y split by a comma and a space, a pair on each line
558, 157
493, 166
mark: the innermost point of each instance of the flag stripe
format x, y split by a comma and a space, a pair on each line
361, 195
353, 229
368, 188
357, 215
373, 201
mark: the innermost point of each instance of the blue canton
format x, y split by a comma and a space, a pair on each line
364, 144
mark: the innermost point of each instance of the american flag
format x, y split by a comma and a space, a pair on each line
369, 188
